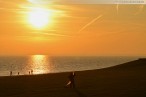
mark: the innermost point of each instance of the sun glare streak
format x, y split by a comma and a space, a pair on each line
39, 64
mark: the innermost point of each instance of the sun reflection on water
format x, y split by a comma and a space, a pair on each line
40, 64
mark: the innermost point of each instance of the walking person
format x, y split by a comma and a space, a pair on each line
10, 73
71, 83
31, 71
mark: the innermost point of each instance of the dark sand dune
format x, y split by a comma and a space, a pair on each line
136, 64
125, 80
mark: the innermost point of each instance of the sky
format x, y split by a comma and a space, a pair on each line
72, 29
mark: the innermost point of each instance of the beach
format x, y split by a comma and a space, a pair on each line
123, 80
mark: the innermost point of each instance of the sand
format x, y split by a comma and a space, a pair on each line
124, 80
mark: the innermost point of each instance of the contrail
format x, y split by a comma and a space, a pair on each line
88, 24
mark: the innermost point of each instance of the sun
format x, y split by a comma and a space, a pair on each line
39, 17
40, 1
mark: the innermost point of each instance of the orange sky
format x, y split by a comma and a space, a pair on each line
73, 30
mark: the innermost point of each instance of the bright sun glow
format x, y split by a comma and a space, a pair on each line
39, 17
40, 1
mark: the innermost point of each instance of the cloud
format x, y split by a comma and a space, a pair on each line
140, 9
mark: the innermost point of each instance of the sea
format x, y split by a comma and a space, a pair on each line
42, 64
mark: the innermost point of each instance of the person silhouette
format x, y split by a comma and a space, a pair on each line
10, 73
31, 71
71, 83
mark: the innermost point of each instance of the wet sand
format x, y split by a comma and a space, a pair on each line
124, 80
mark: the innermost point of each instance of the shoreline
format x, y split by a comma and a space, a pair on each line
124, 80
81, 62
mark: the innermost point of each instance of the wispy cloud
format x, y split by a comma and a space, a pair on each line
140, 9
51, 33
56, 34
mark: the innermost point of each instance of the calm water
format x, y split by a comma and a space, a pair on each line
44, 64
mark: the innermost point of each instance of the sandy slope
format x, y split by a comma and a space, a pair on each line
125, 80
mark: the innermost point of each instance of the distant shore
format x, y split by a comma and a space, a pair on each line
42, 64
124, 80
